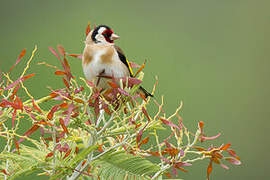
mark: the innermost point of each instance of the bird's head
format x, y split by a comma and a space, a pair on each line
103, 34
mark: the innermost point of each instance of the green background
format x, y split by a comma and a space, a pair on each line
213, 55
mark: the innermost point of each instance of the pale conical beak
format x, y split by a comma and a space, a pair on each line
114, 37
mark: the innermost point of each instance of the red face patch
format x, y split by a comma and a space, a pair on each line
107, 34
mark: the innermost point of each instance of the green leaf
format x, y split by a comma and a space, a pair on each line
29, 161
120, 165
82, 155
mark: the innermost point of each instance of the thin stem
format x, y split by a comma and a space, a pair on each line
159, 147
25, 69
106, 125
160, 171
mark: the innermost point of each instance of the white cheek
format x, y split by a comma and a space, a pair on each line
100, 38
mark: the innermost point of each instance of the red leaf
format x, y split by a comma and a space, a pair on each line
218, 155
67, 153
201, 124
132, 81
154, 153
172, 151
19, 103
43, 122
76, 150
146, 114
174, 171
139, 136
182, 169
100, 148
141, 68
225, 147
142, 95
210, 138
182, 164
216, 160
87, 31
123, 92
31, 130
61, 50
90, 83
63, 105
233, 160
49, 155
112, 84
6, 103
18, 81
138, 125
13, 84
79, 56
55, 53
106, 109
83, 163
52, 111
199, 148
209, 170
61, 148
53, 95
36, 107
58, 72
16, 144
144, 141
224, 166
169, 123
78, 100
19, 59
63, 125
51, 139
79, 90
168, 175
165, 160
65, 82
69, 111
4, 171
67, 69
232, 153
96, 107
14, 92
75, 112
28, 76
13, 117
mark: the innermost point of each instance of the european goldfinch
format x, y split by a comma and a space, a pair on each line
102, 58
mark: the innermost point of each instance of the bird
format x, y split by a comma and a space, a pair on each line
101, 57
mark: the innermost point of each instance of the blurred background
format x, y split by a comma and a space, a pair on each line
212, 55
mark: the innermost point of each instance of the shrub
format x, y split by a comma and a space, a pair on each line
94, 134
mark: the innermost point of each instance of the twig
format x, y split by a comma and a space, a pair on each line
25, 69
106, 125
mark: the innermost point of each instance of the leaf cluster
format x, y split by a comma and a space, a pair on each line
94, 133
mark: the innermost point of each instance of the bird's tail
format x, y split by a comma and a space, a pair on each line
145, 92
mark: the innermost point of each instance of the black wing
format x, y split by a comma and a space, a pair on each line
124, 60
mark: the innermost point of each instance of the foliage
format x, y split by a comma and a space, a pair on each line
90, 133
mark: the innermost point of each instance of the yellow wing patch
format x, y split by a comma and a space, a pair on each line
129, 68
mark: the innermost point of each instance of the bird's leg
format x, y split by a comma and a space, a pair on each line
99, 76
